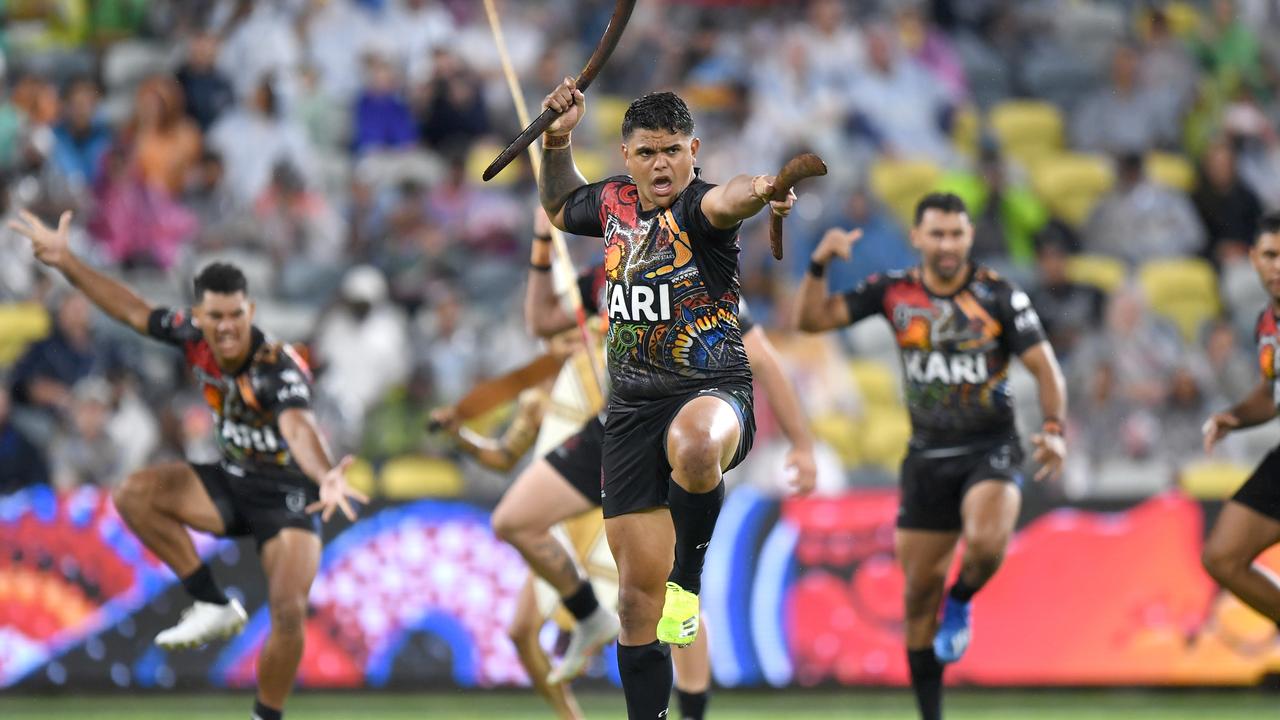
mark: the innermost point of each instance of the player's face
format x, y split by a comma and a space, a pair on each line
661, 163
944, 240
1266, 260
227, 324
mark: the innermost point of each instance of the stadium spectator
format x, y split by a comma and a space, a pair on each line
22, 460
85, 453
362, 344
253, 138
83, 136
43, 376
1227, 207
207, 90
1070, 311
1126, 116
1139, 219
382, 117
451, 109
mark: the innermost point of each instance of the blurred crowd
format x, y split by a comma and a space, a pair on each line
332, 148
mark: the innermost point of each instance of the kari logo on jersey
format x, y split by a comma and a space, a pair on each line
247, 438
951, 369
635, 303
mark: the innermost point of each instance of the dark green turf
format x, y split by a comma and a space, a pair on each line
784, 705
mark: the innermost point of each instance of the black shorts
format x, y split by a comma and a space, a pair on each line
635, 465
578, 460
935, 481
1261, 492
257, 505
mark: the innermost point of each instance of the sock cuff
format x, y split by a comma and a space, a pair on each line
923, 663
641, 652
582, 603
962, 592
265, 712
714, 497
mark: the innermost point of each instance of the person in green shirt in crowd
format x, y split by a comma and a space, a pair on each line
1007, 216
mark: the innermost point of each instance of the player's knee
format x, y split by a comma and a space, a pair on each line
131, 496
921, 598
696, 457
288, 614
637, 607
522, 631
986, 552
1221, 563
504, 524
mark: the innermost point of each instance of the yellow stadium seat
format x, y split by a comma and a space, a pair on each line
1183, 17
1104, 272
901, 184
884, 437
20, 325
1184, 290
1027, 129
360, 477
840, 432
1212, 479
1070, 184
877, 382
966, 129
605, 115
483, 153
1171, 170
410, 476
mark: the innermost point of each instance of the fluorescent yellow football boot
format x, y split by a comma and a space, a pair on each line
679, 623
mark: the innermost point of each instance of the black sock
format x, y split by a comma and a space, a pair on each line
646, 679
926, 682
201, 586
692, 705
582, 602
962, 592
694, 516
262, 712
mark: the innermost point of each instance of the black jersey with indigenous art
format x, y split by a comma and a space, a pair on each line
1267, 339
955, 350
247, 403
671, 290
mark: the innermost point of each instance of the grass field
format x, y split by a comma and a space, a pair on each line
961, 705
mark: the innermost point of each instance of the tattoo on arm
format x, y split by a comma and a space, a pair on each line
558, 178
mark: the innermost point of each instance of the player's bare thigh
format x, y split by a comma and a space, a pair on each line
290, 561
990, 512
1240, 535
175, 490
537, 500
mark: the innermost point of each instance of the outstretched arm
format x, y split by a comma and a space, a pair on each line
311, 452
1256, 408
741, 198
51, 248
786, 406
559, 175
504, 452
816, 309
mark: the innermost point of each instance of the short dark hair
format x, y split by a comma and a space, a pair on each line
943, 201
658, 111
222, 278
1268, 224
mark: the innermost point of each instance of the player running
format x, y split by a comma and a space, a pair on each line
1250, 521
957, 326
275, 471
680, 414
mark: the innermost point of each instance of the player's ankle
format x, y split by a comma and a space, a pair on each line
582, 604
262, 711
201, 586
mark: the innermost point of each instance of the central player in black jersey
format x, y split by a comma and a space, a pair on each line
680, 413
275, 471
957, 325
